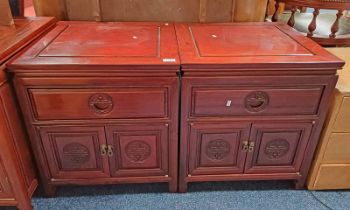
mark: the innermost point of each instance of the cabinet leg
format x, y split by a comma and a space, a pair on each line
183, 187
299, 184
25, 205
50, 191
172, 187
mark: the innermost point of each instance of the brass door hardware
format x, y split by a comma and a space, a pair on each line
251, 146
110, 150
245, 146
106, 150
103, 149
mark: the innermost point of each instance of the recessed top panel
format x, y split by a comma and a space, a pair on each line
248, 45
86, 45
105, 40
232, 41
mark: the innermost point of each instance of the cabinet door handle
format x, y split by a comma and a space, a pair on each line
245, 146
110, 150
251, 147
103, 149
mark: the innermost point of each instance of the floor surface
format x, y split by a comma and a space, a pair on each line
267, 195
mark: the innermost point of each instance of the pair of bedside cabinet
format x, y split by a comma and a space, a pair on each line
112, 103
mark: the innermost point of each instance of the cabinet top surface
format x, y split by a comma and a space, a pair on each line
249, 45
15, 37
115, 45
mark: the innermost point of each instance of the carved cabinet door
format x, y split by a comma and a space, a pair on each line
138, 150
277, 147
217, 148
75, 152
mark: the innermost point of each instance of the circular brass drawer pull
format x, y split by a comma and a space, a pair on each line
256, 101
101, 103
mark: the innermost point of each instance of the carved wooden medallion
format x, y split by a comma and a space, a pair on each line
76, 154
218, 149
256, 101
276, 149
101, 103
138, 151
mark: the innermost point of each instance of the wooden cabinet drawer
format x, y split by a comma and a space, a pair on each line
256, 101
63, 104
333, 176
338, 148
342, 123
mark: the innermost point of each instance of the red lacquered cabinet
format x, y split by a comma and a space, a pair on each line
100, 101
18, 178
253, 101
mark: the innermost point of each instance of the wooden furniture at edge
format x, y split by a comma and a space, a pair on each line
324, 28
331, 167
154, 10
254, 100
6, 18
100, 102
17, 176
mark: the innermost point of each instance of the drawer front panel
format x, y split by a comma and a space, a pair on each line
255, 101
342, 123
61, 104
333, 176
338, 148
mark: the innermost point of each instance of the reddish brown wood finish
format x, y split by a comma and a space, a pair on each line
101, 103
254, 98
17, 171
117, 46
140, 150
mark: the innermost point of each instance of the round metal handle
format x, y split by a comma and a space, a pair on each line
101, 103
256, 101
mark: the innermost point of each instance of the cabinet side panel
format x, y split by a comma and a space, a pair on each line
18, 135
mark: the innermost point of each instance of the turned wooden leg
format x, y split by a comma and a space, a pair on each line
50, 190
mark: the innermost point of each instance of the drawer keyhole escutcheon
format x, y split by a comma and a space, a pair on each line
256, 101
101, 103
228, 103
